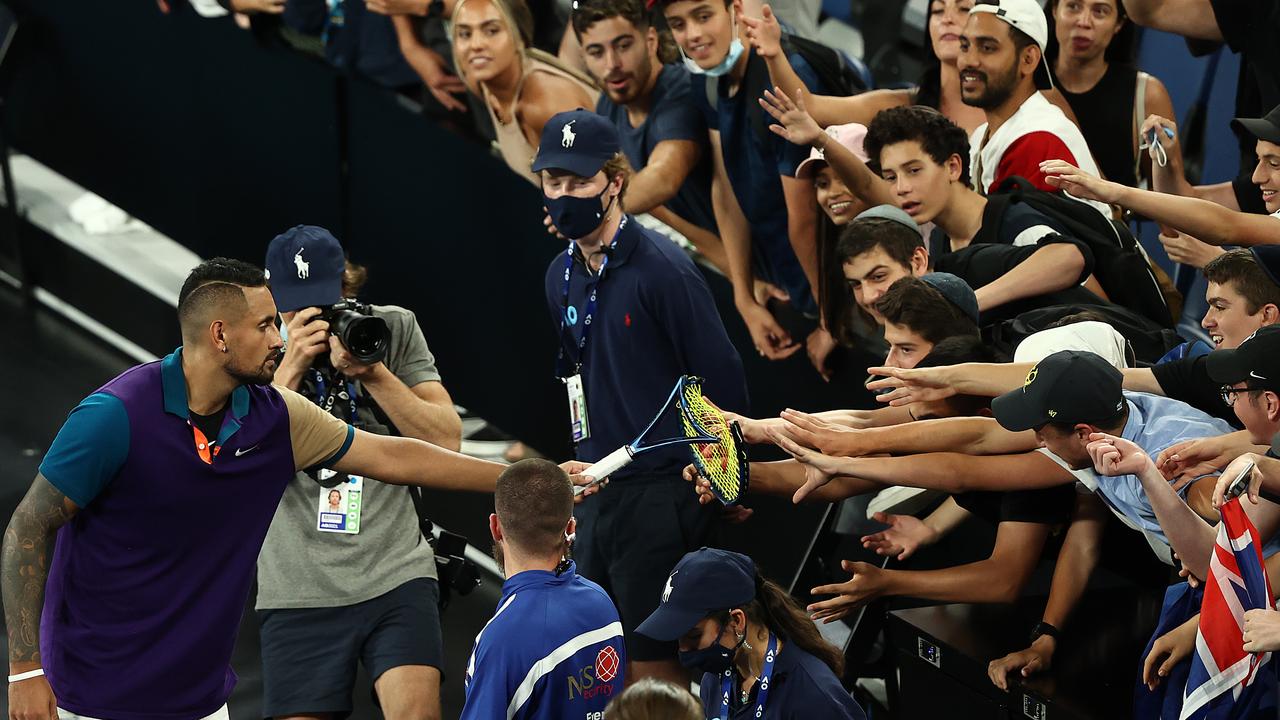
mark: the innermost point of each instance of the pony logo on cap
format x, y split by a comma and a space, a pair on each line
567, 135
666, 591
304, 267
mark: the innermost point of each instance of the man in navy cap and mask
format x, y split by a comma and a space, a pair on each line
632, 314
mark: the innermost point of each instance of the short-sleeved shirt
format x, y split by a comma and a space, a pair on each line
755, 161
1036, 132
553, 649
651, 303
671, 117
1019, 224
301, 567
983, 263
1048, 506
1187, 379
1154, 424
149, 579
802, 687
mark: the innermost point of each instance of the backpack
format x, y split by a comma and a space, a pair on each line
1149, 341
1121, 266
837, 73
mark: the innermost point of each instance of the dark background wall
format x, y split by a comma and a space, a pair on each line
221, 141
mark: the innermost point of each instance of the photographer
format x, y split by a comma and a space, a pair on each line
360, 583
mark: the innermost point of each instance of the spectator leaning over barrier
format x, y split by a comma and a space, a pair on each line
1209, 221
765, 214
359, 583
522, 87
662, 133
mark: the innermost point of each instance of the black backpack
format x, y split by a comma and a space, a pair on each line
1148, 341
1120, 264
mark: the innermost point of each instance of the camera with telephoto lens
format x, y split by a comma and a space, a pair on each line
364, 336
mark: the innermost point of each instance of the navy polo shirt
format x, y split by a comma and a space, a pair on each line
671, 117
149, 579
755, 160
802, 687
655, 320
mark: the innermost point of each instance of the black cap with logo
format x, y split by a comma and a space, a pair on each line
1071, 386
1256, 361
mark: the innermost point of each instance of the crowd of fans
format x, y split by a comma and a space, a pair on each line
971, 229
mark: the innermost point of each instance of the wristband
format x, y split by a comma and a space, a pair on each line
26, 675
1044, 628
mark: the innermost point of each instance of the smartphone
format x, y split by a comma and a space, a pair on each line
1239, 484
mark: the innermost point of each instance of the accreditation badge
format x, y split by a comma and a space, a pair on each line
577, 408
339, 507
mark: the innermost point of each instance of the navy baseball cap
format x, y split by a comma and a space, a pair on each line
305, 265
1268, 258
956, 291
1070, 386
577, 141
1256, 361
706, 580
1266, 127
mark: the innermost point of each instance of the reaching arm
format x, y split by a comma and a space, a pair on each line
660, 179
956, 472
1053, 267
405, 461
1188, 18
1208, 221
1076, 560
802, 226
997, 579
706, 243
1142, 380
975, 436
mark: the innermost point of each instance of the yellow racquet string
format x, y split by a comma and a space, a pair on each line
717, 462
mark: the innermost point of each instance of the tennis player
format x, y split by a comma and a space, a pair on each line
632, 315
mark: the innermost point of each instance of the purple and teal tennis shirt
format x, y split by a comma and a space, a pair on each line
149, 579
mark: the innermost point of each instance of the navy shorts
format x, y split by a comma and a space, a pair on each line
309, 654
629, 540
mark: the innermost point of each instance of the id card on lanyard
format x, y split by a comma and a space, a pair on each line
579, 423
762, 687
340, 505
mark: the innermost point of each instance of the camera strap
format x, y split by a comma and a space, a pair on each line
329, 393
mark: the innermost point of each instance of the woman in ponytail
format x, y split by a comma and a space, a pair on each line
757, 653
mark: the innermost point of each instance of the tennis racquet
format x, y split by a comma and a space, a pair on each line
701, 424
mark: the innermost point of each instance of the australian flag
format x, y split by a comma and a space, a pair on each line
1224, 682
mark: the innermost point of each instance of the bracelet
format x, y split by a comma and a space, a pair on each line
26, 675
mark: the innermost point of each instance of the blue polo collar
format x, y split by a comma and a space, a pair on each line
629, 235
174, 388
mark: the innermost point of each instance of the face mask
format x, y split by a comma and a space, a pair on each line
576, 217
735, 51
714, 659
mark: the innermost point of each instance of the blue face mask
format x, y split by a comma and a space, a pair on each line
735, 52
576, 217
714, 659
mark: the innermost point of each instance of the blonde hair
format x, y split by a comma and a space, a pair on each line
519, 21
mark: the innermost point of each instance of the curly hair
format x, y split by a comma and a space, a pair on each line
938, 136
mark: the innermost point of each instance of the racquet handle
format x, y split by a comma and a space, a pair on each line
606, 466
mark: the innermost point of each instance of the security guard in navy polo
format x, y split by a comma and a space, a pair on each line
633, 314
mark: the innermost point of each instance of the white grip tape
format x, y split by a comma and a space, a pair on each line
608, 465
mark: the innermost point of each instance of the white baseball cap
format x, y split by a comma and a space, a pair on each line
1028, 16
1090, 336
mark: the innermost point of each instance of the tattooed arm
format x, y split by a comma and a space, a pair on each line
24, 568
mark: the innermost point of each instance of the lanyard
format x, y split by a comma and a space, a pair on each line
590, 310
326, 400
762, 688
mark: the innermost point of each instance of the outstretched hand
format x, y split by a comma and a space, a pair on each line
819, 469
795, 124
764, 33
909, 386
1069, 178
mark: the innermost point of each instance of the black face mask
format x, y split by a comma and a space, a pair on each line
714, 659
577, 217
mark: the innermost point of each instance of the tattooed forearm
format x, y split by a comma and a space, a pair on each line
24, 565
